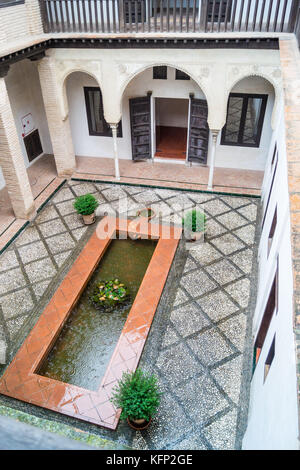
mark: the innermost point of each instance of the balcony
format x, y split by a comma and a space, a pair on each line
169, 16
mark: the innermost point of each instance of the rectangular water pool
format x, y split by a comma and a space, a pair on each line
83, 349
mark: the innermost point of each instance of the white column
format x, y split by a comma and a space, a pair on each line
12, 161
114, 128
215, 134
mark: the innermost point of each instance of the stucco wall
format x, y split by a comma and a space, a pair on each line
248, 157
273, 415
25, 97
226, 156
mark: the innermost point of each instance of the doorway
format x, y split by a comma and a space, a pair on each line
171, 128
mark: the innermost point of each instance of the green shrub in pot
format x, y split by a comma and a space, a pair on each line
194, 223
138, 395
86, 205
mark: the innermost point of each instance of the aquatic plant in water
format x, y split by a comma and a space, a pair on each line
108, 294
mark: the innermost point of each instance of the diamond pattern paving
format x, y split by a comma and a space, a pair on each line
199, 351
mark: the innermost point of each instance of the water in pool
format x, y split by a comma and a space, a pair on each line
82, 351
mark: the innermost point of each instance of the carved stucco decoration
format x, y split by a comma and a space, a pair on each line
67, 67
271, 73
127, 72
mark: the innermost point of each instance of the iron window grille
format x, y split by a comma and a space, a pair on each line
95, 116
245, 118
33, 145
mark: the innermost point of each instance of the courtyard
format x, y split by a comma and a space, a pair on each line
199, 342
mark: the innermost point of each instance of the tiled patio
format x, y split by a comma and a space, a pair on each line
171, 175
199, 344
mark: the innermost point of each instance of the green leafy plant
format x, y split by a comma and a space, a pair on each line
86, 204
137, 394
108, 294
194, 221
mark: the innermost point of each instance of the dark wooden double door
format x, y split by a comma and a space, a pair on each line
141, 132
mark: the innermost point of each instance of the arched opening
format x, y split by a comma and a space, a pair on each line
165, 114
91, 134
245, 139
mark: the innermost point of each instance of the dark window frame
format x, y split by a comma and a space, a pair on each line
107, 130
271, 308
272, 230
270, 193
160, 72
33, 145
246, 97
180, 75
269, 359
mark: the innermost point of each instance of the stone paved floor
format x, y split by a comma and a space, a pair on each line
201, 357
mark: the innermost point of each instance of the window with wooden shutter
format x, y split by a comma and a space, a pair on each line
95, 115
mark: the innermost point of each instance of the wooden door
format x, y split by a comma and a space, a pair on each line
198, 131
140, 121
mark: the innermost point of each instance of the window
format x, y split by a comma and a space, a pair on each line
269, 359
272, 230
160, 72
179, 75
271, 306
269, 195
33, 145
244, 122
274, 155
226, 4
94, 109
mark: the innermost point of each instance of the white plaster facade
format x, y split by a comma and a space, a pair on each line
273, 414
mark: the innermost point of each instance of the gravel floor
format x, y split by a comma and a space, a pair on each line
199, 345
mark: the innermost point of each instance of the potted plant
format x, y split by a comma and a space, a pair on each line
194, 223
138, 395
86, 205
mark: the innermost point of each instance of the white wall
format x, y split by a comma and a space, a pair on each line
226, 156
95, 146
25, 97
249, 158
273, 412
172, 112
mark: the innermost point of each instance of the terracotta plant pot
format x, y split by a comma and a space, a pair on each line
89, 219
138, 424
145, 213
195, 236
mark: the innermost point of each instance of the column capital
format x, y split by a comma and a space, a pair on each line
215, 133
113, 126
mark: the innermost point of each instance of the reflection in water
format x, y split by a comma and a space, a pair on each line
83, 349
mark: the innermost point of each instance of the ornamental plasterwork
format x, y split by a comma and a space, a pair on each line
236, 72
272, 73
200, 73
66, 67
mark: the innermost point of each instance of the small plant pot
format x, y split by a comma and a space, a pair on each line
139, 424
195, 236
146, 213
89, 219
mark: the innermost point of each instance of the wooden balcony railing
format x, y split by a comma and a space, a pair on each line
174, 16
